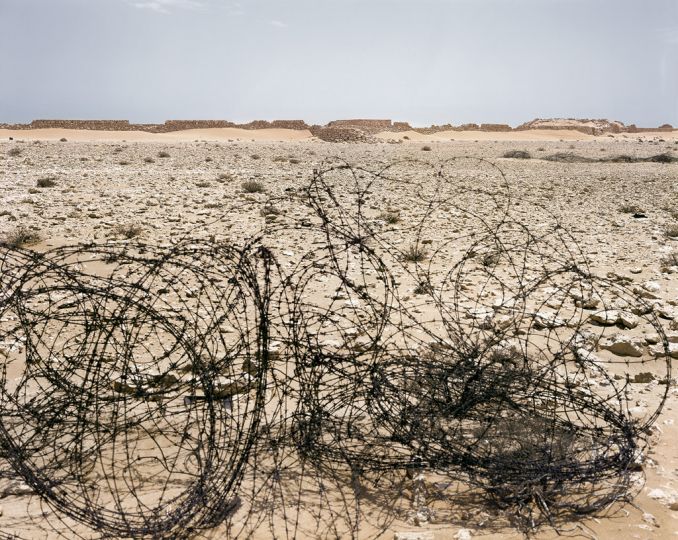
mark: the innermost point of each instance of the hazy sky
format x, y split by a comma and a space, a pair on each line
423, 61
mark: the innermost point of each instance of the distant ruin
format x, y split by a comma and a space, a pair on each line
344, 130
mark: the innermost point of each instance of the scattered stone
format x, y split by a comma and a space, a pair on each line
545, 319
606, 317
649, 289
624, 345
650, 519
419, 535
628, 320
658, 494
659, 350
587, 356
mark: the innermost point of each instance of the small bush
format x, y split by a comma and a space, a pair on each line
47, 182
21, 236
295, 161
568, 157
163, 154
630, 209
623, 158
672, 231
415, 254
63, 139
252, 186
426, 148
128, 230
423, 288
517, 154
223, 177
203, 184
149, 160
255, 156
670, 259
662, 158
14, 151
124, 162
390, 217
270, 210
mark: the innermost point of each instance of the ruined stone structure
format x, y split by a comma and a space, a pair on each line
342, 130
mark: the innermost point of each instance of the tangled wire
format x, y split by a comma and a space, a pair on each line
159, 391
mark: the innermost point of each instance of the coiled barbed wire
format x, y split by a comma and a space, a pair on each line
157, 391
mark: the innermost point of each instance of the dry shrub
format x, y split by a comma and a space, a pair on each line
21, 236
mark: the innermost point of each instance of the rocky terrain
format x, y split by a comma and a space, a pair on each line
623, 216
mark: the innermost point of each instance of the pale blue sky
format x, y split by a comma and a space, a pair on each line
423, 61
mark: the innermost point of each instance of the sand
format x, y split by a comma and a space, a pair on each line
188, 135
102, 182
226, 134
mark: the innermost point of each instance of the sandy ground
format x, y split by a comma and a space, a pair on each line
111, 178
233, 134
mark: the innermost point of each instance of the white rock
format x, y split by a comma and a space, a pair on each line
649, 289
658, 494
545, 319
650, 519
587, 356
658, 350
629, 320
463, 534
606, 317
624, 345
480, 313
418, 535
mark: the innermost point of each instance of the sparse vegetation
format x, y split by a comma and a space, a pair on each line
390, 217
14, 151
423, 288
149, 160
21, 236
517, 154
670, 259
255, 156
46, 182
223, 177
414, 253
623, 158
662, 158
568, 157
630, 209
128, 230
203, 184
252, 186
426, 148
672, 231
163, 154
63, 139
270, 210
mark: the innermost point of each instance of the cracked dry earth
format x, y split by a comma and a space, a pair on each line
623, 216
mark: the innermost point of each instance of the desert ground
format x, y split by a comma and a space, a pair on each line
74, 187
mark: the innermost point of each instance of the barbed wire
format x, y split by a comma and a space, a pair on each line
163, 390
